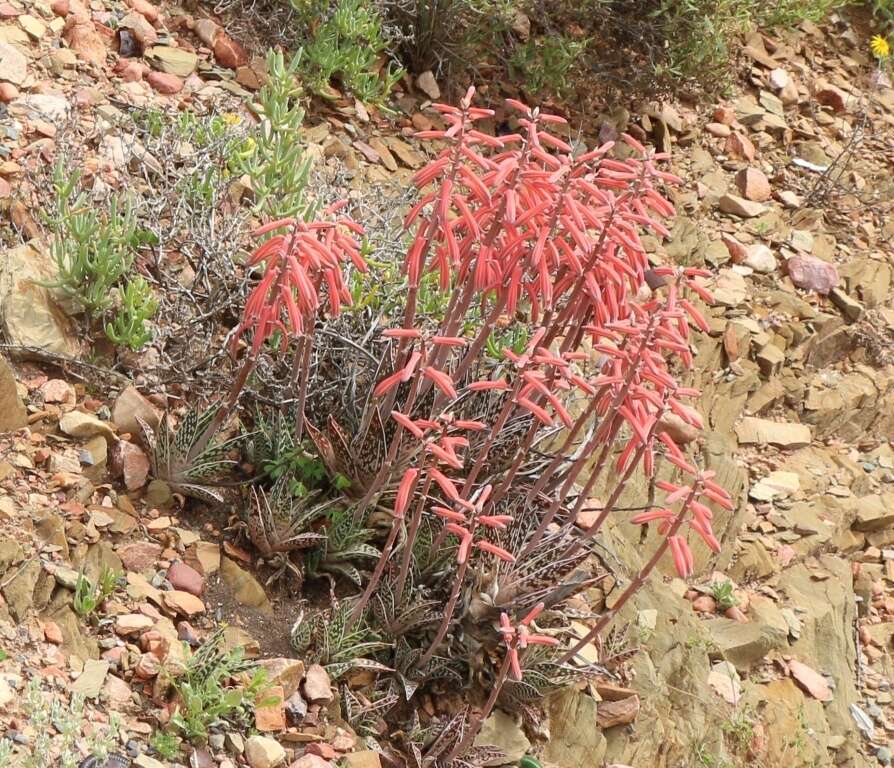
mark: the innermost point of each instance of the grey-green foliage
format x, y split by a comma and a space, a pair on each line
346, 46
276, 162
94, 246
58, 733
545, 64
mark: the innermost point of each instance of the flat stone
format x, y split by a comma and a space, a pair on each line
183, 602
245, 588
185, 578
287, 673
172, 61
13, 64
80, 424
12, 411
428, 85
139, 555
264, 752
754, 431
849, 306
812, 274
504, 732
744, 645
753, 185
874, 512
365, 758
132, 624
739, 206
91, 680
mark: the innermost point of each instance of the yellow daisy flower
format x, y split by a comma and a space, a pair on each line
880, 47
231, 118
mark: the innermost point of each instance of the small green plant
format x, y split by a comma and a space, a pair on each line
166, 745
347, 46
94, 248
722, 592
212, 691
138, 305
89, 596
273, 156
3, 655
545, 64
738, 728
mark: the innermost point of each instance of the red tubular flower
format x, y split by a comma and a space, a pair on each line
682, 555
407, 483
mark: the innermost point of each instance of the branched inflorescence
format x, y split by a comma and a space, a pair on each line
520, 230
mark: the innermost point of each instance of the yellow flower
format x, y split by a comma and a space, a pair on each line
880, 47
231, 118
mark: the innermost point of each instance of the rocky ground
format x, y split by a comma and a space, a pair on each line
787, 194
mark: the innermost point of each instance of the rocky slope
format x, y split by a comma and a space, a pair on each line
786, 195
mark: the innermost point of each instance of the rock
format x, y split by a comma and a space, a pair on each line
132, 624
754, 431
811, 273
57, 391
144, 761
208, 556
776, 485
187, 579
317, 686
141, 30
874, 512
309, 760
183, 602
287, 673
145, 8
12, 411
8, 93
52, 632
164, 82
228, 53
91, 680
849, 306
206, 30
753, 185
621, 712
246, 589
172, 61
504, 732
725, 680
718, 129
428, 85
82, 37
740, 147
365, 758
60, 7
264, 752
116, 691
19, 589
738, 206
760, 258
80, 424
13, 64
810, 680
270, 715
681, 432
147, 667
831, 96
130, 462
744, 645
139, 555
35, 28
574, 739
30, 318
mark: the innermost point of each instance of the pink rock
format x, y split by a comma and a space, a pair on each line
737, 251
322, 749
130, 71
718, 129
811, 273
311, 761
60, 7
317, 686
52, 633
740, 146
164, 82
753, 185
8, 92
57, 391
206, 30
129, 461
724, 115
139, 555
185, 578
144, 7
228, 53
82, 37
147, 667
8, 11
